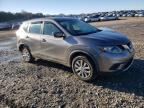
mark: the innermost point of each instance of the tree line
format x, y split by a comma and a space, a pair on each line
8, 16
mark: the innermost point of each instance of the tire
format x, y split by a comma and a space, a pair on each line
26, 55
84, 68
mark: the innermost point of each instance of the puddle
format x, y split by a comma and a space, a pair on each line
8, 50
9, 55
8, 41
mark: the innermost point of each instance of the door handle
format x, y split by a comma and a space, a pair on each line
43, 40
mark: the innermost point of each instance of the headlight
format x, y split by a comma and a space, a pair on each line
112, 49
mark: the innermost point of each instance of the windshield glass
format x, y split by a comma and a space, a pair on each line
77, 27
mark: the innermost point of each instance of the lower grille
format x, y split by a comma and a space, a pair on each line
121, 66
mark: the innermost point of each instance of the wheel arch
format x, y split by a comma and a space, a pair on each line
21, 46
84, 53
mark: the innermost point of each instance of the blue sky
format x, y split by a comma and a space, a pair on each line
69, 6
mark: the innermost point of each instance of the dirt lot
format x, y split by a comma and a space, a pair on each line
48, 85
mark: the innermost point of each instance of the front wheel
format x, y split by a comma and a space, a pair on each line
84, 68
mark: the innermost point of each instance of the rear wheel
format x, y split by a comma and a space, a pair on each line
84, 68
26, 55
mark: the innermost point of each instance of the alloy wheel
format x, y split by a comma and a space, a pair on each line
82, 68
26, 55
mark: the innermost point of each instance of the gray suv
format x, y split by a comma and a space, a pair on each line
76, 44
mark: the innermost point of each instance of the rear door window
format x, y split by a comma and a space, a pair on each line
35, 28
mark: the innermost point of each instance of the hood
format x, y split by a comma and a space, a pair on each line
105, 37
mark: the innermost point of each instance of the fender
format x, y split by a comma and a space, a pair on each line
22, 44
88, 53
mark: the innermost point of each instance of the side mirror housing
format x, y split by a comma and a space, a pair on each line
59, 34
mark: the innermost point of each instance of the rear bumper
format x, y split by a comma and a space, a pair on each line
115, 62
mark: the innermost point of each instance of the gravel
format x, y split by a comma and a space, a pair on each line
45, 84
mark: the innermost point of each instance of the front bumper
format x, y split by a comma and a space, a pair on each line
109, 62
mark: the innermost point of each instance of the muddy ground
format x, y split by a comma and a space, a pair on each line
45, 84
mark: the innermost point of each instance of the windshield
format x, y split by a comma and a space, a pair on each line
77, 27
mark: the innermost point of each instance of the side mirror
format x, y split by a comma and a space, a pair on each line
59, 34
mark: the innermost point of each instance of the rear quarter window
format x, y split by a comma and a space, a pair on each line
25, 27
